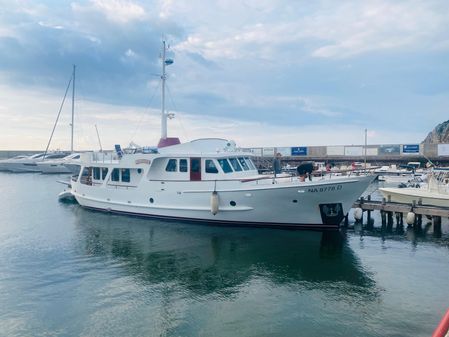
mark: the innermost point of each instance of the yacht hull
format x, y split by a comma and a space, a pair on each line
319, 205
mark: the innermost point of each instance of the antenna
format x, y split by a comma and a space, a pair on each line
98, 136
366, 141
165, 62
73, 108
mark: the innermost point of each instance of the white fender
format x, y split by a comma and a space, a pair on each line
358, 213
214, 203
410, 219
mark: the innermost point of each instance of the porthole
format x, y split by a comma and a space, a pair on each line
295, 201
139, 171
232, 203
151, 200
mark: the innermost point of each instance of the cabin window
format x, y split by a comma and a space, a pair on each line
115, 175
86, 176
250, 163
97, 173
171, 165
225, 166
235, 164
243, 163
210, 166
104, 173
126, 175
183, 165
76, 157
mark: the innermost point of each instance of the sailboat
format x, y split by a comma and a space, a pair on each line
208, 181
69, 163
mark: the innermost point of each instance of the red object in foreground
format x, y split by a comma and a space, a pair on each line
443, 327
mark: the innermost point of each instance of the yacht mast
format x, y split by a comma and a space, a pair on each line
163, 114
73, 108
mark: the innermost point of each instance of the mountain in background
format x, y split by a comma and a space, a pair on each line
438, 135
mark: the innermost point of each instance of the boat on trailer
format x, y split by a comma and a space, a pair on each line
211, 181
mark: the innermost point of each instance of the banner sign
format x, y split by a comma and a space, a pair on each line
413, 148
299, 151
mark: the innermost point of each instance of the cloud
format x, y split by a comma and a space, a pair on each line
121, 11
332, 29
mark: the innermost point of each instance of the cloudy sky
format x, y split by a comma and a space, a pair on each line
261, 72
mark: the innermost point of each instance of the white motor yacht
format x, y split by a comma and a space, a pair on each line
22, 164
30, 163
5, 163
209, 181
67, 164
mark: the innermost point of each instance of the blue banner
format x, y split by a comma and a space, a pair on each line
299, 151
413, 148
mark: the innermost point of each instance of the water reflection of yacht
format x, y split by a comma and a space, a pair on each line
206, 260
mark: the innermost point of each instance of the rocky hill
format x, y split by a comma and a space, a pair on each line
438, 135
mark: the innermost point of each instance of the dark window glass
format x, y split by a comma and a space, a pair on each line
97, 173
235, 164
195, 165
126, 175
210, 166
183, 165
171, 165
104, 173
115, 175
225, 166
243, 163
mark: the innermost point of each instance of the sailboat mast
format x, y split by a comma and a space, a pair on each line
73, 108
163, 114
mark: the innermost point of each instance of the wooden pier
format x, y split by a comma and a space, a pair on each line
390, 211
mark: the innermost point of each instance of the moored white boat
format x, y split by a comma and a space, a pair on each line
29, 163
211, 181
434, 193
61, 165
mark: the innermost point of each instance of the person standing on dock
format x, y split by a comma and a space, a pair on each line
277, 164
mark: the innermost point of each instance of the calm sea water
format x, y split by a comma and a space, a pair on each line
66, 271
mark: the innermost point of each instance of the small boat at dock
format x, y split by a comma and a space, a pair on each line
434, 193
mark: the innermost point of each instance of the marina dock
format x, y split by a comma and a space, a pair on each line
393, 212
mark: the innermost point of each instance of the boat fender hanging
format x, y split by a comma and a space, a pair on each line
214, 202
410, 219
358, 213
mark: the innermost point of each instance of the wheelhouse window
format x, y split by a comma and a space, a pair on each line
115, 175
225, 166
97, 173
104, 173
243, 163
172, 165
126, 175
250, 163
235, 164
210, 166
183, 165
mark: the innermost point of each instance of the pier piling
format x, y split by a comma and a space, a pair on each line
436, 221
